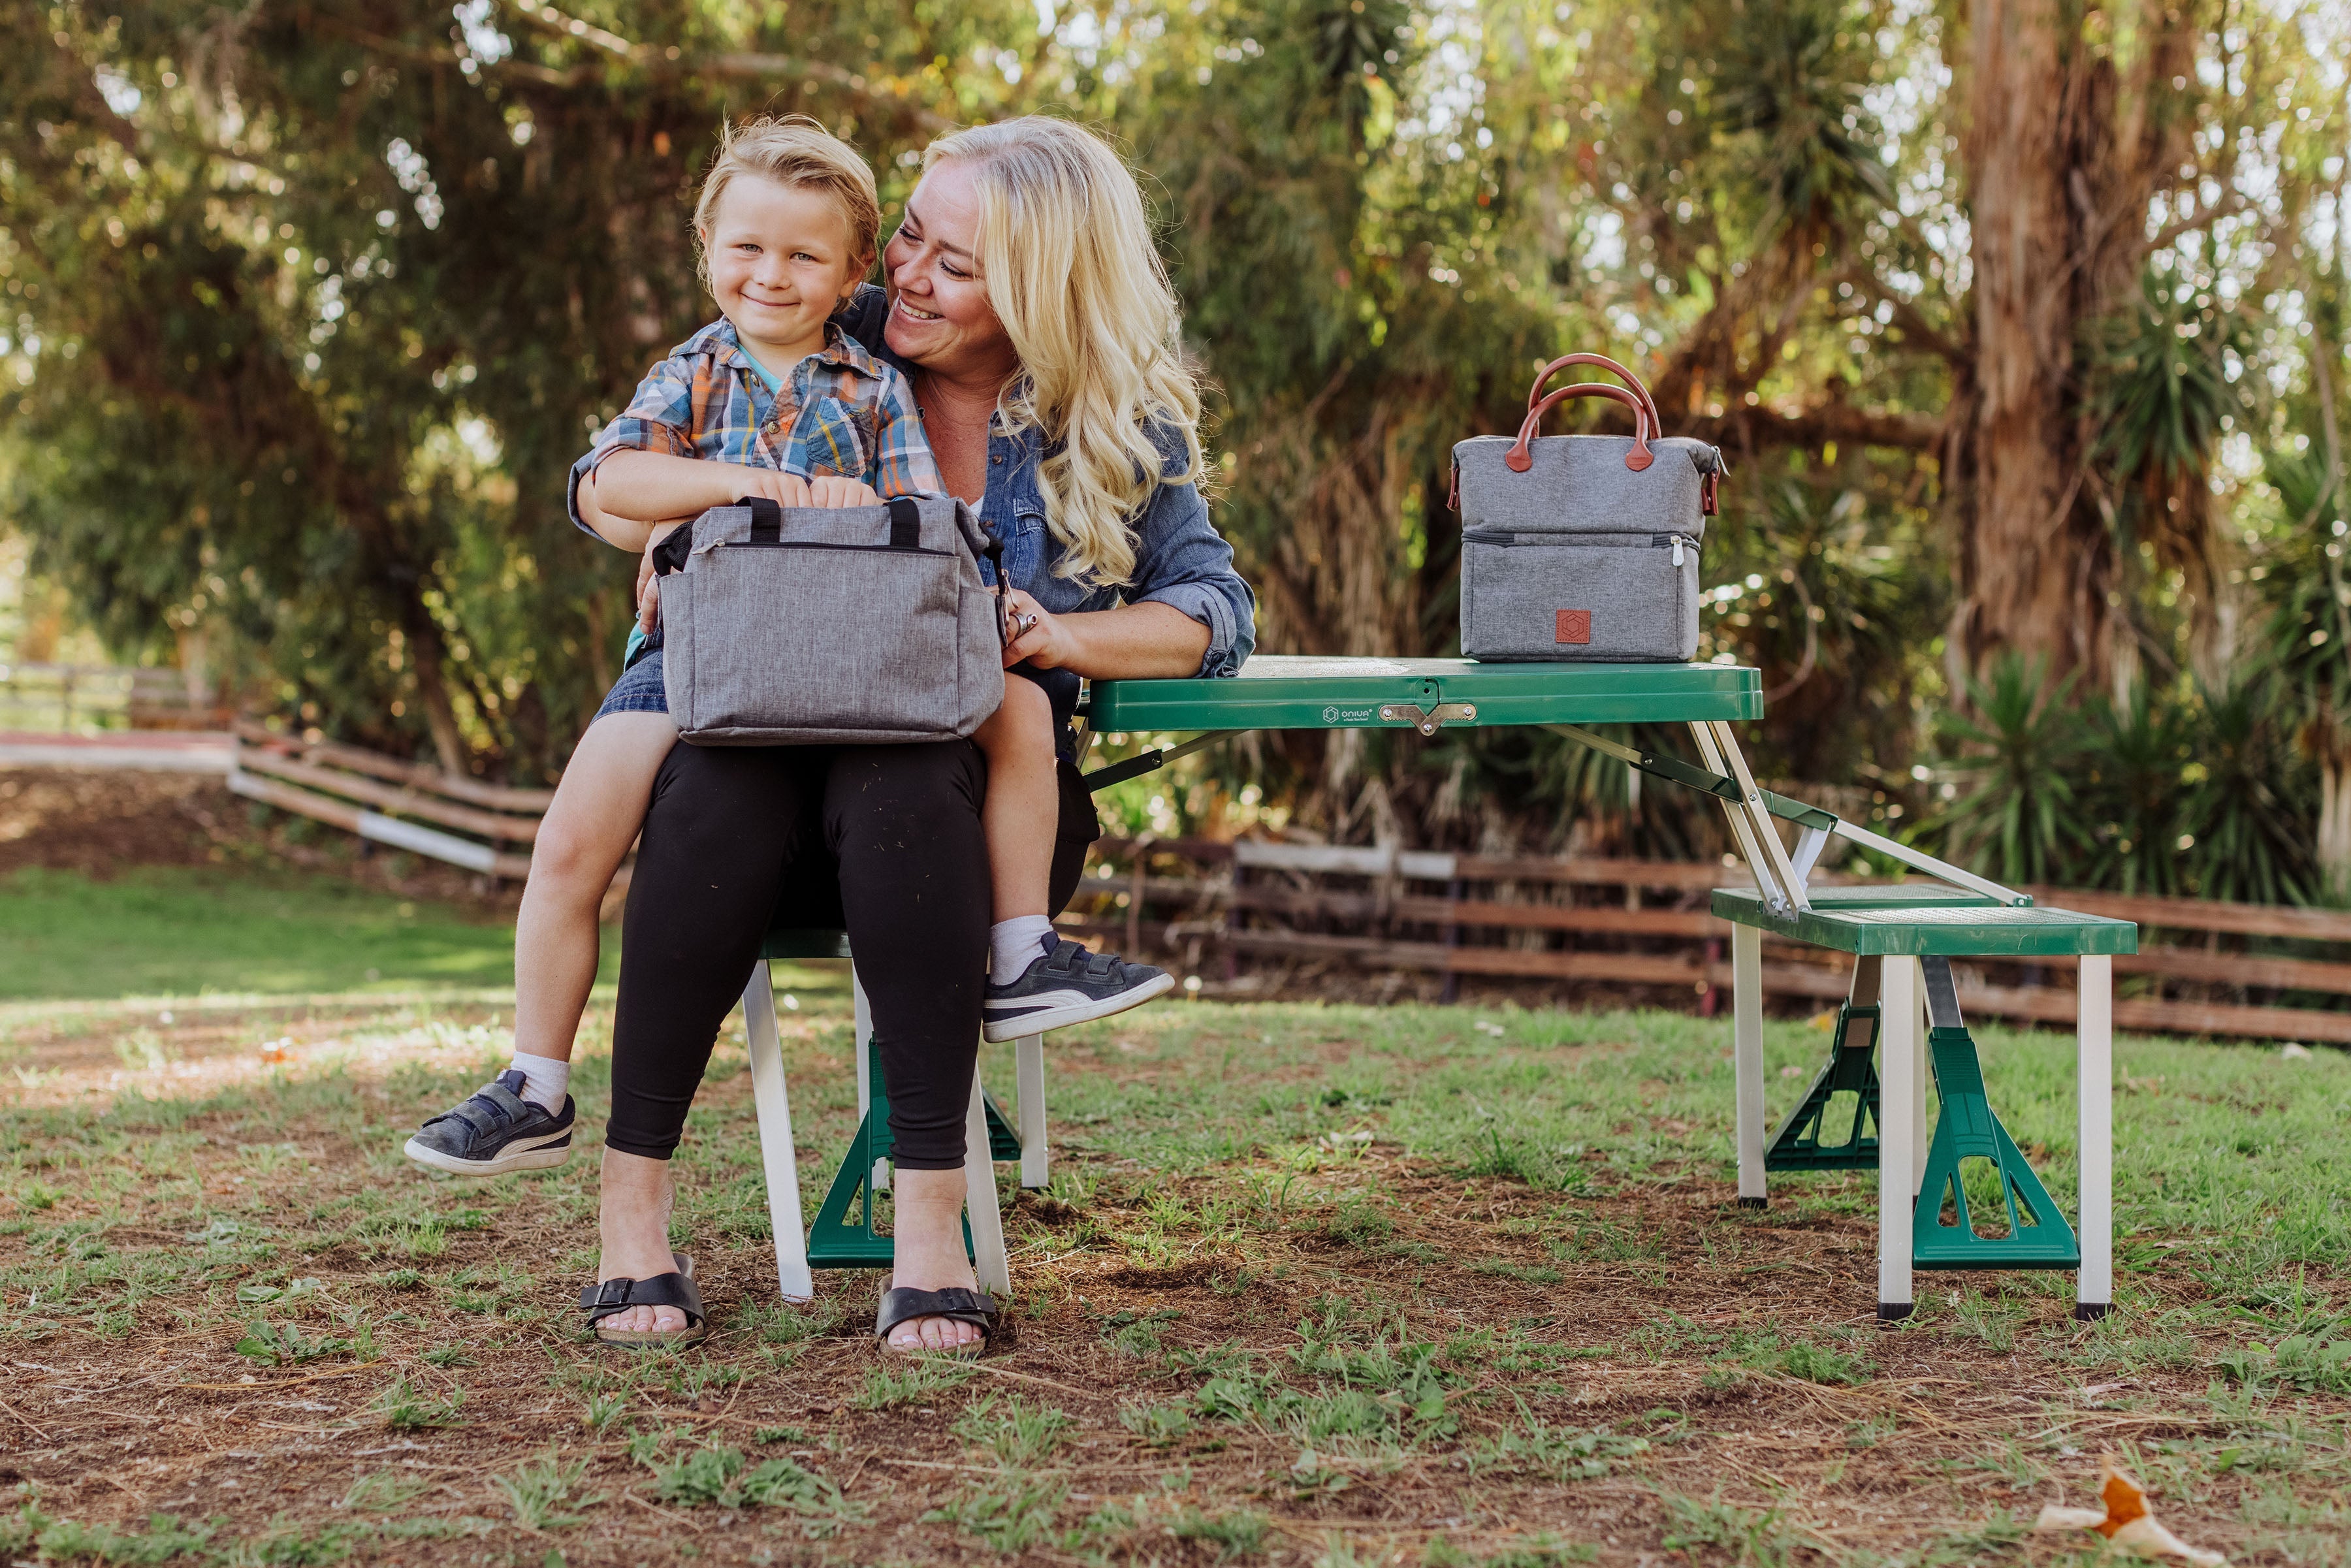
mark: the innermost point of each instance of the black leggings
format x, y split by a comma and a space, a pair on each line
885, 840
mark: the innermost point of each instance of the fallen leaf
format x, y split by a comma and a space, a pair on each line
2126, 1520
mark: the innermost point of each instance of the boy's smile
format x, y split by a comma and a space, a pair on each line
779, 265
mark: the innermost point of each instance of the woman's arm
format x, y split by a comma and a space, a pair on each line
1132, 643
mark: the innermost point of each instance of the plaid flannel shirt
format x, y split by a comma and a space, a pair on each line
841, 412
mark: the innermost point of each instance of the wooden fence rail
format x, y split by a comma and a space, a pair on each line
2203, 967
2284, 974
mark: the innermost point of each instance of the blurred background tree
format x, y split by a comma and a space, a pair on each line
2019, 320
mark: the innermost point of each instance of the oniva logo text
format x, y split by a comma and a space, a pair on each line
1348, 716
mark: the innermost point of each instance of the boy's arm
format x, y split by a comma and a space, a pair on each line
632, 495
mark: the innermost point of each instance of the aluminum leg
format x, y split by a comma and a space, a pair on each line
1746, 1058
861, 1013
2095, 1138
1918, 1140
1898, 1144
775, 1152
988, 1255
1028, 1075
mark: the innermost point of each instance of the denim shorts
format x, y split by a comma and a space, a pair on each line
640, 689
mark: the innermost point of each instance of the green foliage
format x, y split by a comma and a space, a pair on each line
2016, 816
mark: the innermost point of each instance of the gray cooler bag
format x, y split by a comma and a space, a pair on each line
811, 625
1582, 547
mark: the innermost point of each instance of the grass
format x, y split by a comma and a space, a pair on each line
63, 936
1312, 1285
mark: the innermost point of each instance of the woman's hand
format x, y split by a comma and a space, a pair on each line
1036, 634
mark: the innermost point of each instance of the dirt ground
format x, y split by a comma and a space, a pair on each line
103, 821
246, 1313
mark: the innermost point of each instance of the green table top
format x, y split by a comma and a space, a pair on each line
1283, 692
1925, 921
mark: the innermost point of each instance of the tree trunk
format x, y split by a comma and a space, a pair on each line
2062, 163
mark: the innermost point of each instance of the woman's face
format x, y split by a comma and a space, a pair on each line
939, 313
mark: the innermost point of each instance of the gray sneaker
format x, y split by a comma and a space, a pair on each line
1067, 985
494, 1132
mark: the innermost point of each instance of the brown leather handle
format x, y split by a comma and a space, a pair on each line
1521, 457
1534, 393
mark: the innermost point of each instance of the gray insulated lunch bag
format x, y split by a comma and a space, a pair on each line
1582, 547
845, 625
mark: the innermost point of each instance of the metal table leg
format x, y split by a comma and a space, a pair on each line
1899, 1147
2095, 1285
989, 1259
777, 1155
1747, 1057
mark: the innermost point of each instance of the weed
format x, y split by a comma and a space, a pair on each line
385, 1492
1214, 1361
1232, 1534
63, 1540
1137, 1333
1360, 1222
602, 1411
544, 1492
284, 1344
407, 1408
1994, 1323
1804, 1359
1544, 1551
724, 1476
1560, 1453
449, 1355
922, 1376
1744, 1535
1870, 1431
1159, 1426
1020, 1435
2314, 1363
289, 1545
1010, 1515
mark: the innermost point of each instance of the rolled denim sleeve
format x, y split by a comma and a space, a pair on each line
659, 418
1181, 560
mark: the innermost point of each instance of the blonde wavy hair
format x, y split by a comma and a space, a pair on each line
1070, 270
793, 150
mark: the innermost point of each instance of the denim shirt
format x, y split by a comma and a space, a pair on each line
1180, 560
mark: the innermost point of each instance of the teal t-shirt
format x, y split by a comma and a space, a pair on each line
774, 382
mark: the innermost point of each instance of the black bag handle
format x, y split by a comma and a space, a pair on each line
766, 520
905, 523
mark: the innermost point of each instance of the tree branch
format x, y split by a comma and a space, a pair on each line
1907, 316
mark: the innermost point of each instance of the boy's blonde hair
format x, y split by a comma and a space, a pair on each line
1065, 250
794, 150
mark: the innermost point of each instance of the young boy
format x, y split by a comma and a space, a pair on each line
771, 400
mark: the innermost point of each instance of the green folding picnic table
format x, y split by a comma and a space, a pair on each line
1432, 695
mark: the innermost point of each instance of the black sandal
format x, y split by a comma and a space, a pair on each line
901, 1304
611, 1296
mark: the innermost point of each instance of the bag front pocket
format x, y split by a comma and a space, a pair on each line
857, 639
1527, 596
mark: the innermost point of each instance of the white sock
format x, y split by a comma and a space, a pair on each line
545, 1080
1013, 944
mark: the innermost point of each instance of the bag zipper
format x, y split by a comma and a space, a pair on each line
1676, 542
819, 544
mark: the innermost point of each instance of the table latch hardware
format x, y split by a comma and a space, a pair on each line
1427, 721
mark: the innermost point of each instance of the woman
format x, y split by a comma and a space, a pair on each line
1025, 300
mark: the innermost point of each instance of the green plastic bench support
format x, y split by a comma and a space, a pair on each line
2038, 1236
1852, 1069
840, 1241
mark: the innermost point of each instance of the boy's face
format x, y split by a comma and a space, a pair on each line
779, 263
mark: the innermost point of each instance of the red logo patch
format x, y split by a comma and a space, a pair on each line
1575, 626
